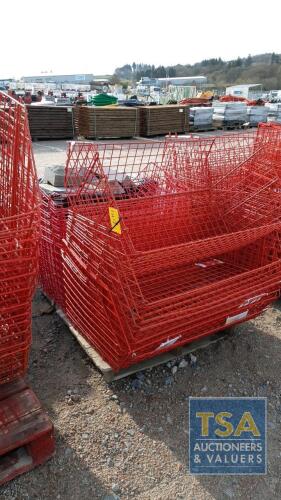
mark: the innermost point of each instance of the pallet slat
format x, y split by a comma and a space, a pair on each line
51, 122
107, 122
110, 375
162, 120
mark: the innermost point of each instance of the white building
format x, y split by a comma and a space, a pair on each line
44, 78
177, 80
182, 80
249, 91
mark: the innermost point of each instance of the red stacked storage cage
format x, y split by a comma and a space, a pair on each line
19, 237
54, 210
169, 241
26, 438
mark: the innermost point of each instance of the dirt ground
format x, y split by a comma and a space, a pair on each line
129, 439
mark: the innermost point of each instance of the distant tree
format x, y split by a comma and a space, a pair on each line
232, 75
270, 83
238, 62
275, 58
160, 72
230, 64
114, 80
249, 60
124, 72
171, 72
261, 68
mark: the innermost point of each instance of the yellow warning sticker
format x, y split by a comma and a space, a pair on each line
114, 220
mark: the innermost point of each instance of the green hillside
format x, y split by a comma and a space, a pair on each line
261, 68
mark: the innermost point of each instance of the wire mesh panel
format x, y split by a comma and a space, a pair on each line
169, 241
19, 237
167, 195
270, 134
54, 209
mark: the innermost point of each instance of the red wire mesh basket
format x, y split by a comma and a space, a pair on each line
54, 209
19, 237
166, 242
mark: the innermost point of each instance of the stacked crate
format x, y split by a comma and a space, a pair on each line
167, 242
229, 114
256, 115
201, 118
19, 238
106, 122
54, 209
51, 122
162, 120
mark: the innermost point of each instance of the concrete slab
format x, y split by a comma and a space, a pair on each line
50, 153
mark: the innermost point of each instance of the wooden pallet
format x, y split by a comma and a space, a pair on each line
106, 122
108, 373
162, 120
51, 122
26, 432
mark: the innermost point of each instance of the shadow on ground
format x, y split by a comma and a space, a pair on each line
247, 363
134, 432
53, 481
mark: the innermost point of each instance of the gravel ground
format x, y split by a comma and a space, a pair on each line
129, 439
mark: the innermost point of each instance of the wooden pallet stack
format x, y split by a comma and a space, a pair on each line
51, 122
162, 120
107, 122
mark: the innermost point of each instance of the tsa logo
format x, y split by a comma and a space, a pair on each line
227, 435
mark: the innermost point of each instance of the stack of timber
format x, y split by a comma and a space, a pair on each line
161, 120
106, 122
51, 122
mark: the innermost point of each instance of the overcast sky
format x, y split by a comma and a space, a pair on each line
81, 37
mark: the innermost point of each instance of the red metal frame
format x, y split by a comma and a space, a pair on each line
19, 237
27, 434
